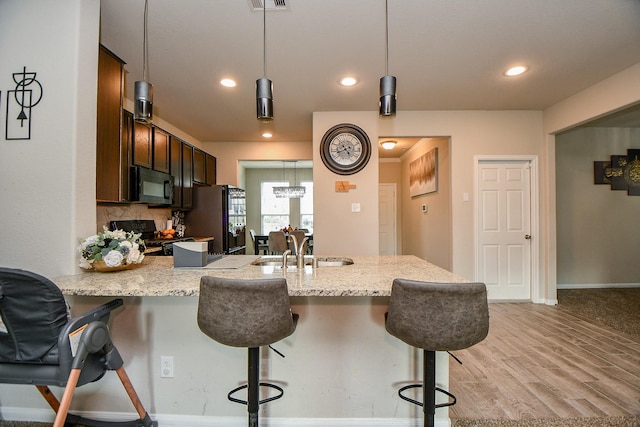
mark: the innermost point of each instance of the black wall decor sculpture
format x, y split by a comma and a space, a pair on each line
621, 172
20, 101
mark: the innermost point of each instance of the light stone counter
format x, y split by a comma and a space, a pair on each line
156, 276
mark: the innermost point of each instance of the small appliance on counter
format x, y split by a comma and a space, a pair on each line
147, 228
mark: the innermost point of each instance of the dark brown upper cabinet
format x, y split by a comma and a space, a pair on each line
160, 150
142, 145
112, 151
199, 167
211, 169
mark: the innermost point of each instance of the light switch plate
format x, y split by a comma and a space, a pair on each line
355, 207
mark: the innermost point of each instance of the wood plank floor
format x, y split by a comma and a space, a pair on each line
541, 362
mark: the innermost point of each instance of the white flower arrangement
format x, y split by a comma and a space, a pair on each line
115, 248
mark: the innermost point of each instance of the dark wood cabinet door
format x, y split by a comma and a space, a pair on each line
199, 166
142, 144
109, 109
211, 169
175, 169
126, 142
160, 150
187, 176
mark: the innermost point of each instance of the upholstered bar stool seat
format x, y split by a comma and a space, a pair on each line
436, 317
247, 313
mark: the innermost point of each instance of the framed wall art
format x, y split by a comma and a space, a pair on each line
423, 174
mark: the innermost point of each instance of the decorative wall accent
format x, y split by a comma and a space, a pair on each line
20, 101
621, 172
423, 174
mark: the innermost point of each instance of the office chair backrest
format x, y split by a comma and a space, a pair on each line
33, 313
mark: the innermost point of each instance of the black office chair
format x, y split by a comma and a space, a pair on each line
436, 317
251, 314
41, 345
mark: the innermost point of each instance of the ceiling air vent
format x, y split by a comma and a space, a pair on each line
270, 5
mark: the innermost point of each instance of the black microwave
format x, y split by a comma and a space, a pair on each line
149, 186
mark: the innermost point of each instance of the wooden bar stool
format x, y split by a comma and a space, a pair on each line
247, 313
436, 317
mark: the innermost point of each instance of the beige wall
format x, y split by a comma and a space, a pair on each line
615, 93
338, 230
229, 156
428, 235
47, 183
598, 238
471, 133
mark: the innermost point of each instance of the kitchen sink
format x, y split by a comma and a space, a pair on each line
333, 261
276, 261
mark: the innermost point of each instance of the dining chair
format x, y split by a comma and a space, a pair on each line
277, 242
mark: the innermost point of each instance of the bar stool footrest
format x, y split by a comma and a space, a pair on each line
416, 402
244, 402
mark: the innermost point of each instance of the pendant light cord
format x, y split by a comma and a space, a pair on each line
144, 43
386, 15
264, 38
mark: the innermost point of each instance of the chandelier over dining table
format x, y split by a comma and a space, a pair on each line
290, 191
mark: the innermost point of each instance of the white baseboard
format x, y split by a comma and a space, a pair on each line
597, 285
170, 420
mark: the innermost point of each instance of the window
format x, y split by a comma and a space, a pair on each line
274, 212
277, 214
306, 206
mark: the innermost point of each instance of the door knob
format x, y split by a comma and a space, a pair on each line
527, 236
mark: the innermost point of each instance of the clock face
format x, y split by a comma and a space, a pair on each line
345, 149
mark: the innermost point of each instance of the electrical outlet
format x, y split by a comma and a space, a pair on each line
166, 366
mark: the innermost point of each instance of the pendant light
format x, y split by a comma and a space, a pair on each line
143, 90
264, 86
291, 191
388, 82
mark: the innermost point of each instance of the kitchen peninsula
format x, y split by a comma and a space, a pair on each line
367, 276
340, 364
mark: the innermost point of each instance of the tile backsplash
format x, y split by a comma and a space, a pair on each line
106, 213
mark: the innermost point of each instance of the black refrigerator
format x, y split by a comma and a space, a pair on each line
220, 212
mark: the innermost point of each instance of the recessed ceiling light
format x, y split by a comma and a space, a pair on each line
228, 83
348, 81
515, 71
267, 134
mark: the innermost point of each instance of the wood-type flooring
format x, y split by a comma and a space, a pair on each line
541, 362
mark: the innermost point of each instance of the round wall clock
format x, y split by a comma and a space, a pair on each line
345, 149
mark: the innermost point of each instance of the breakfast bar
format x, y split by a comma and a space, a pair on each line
341, 367
368, 276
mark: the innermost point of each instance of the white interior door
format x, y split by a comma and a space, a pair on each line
387, 239
504, 228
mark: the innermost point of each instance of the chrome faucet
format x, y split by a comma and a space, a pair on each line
284, 258
299, 250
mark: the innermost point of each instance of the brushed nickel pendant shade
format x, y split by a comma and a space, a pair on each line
388, 96
143, 90
264, 86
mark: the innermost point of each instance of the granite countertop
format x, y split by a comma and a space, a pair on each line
156, 276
